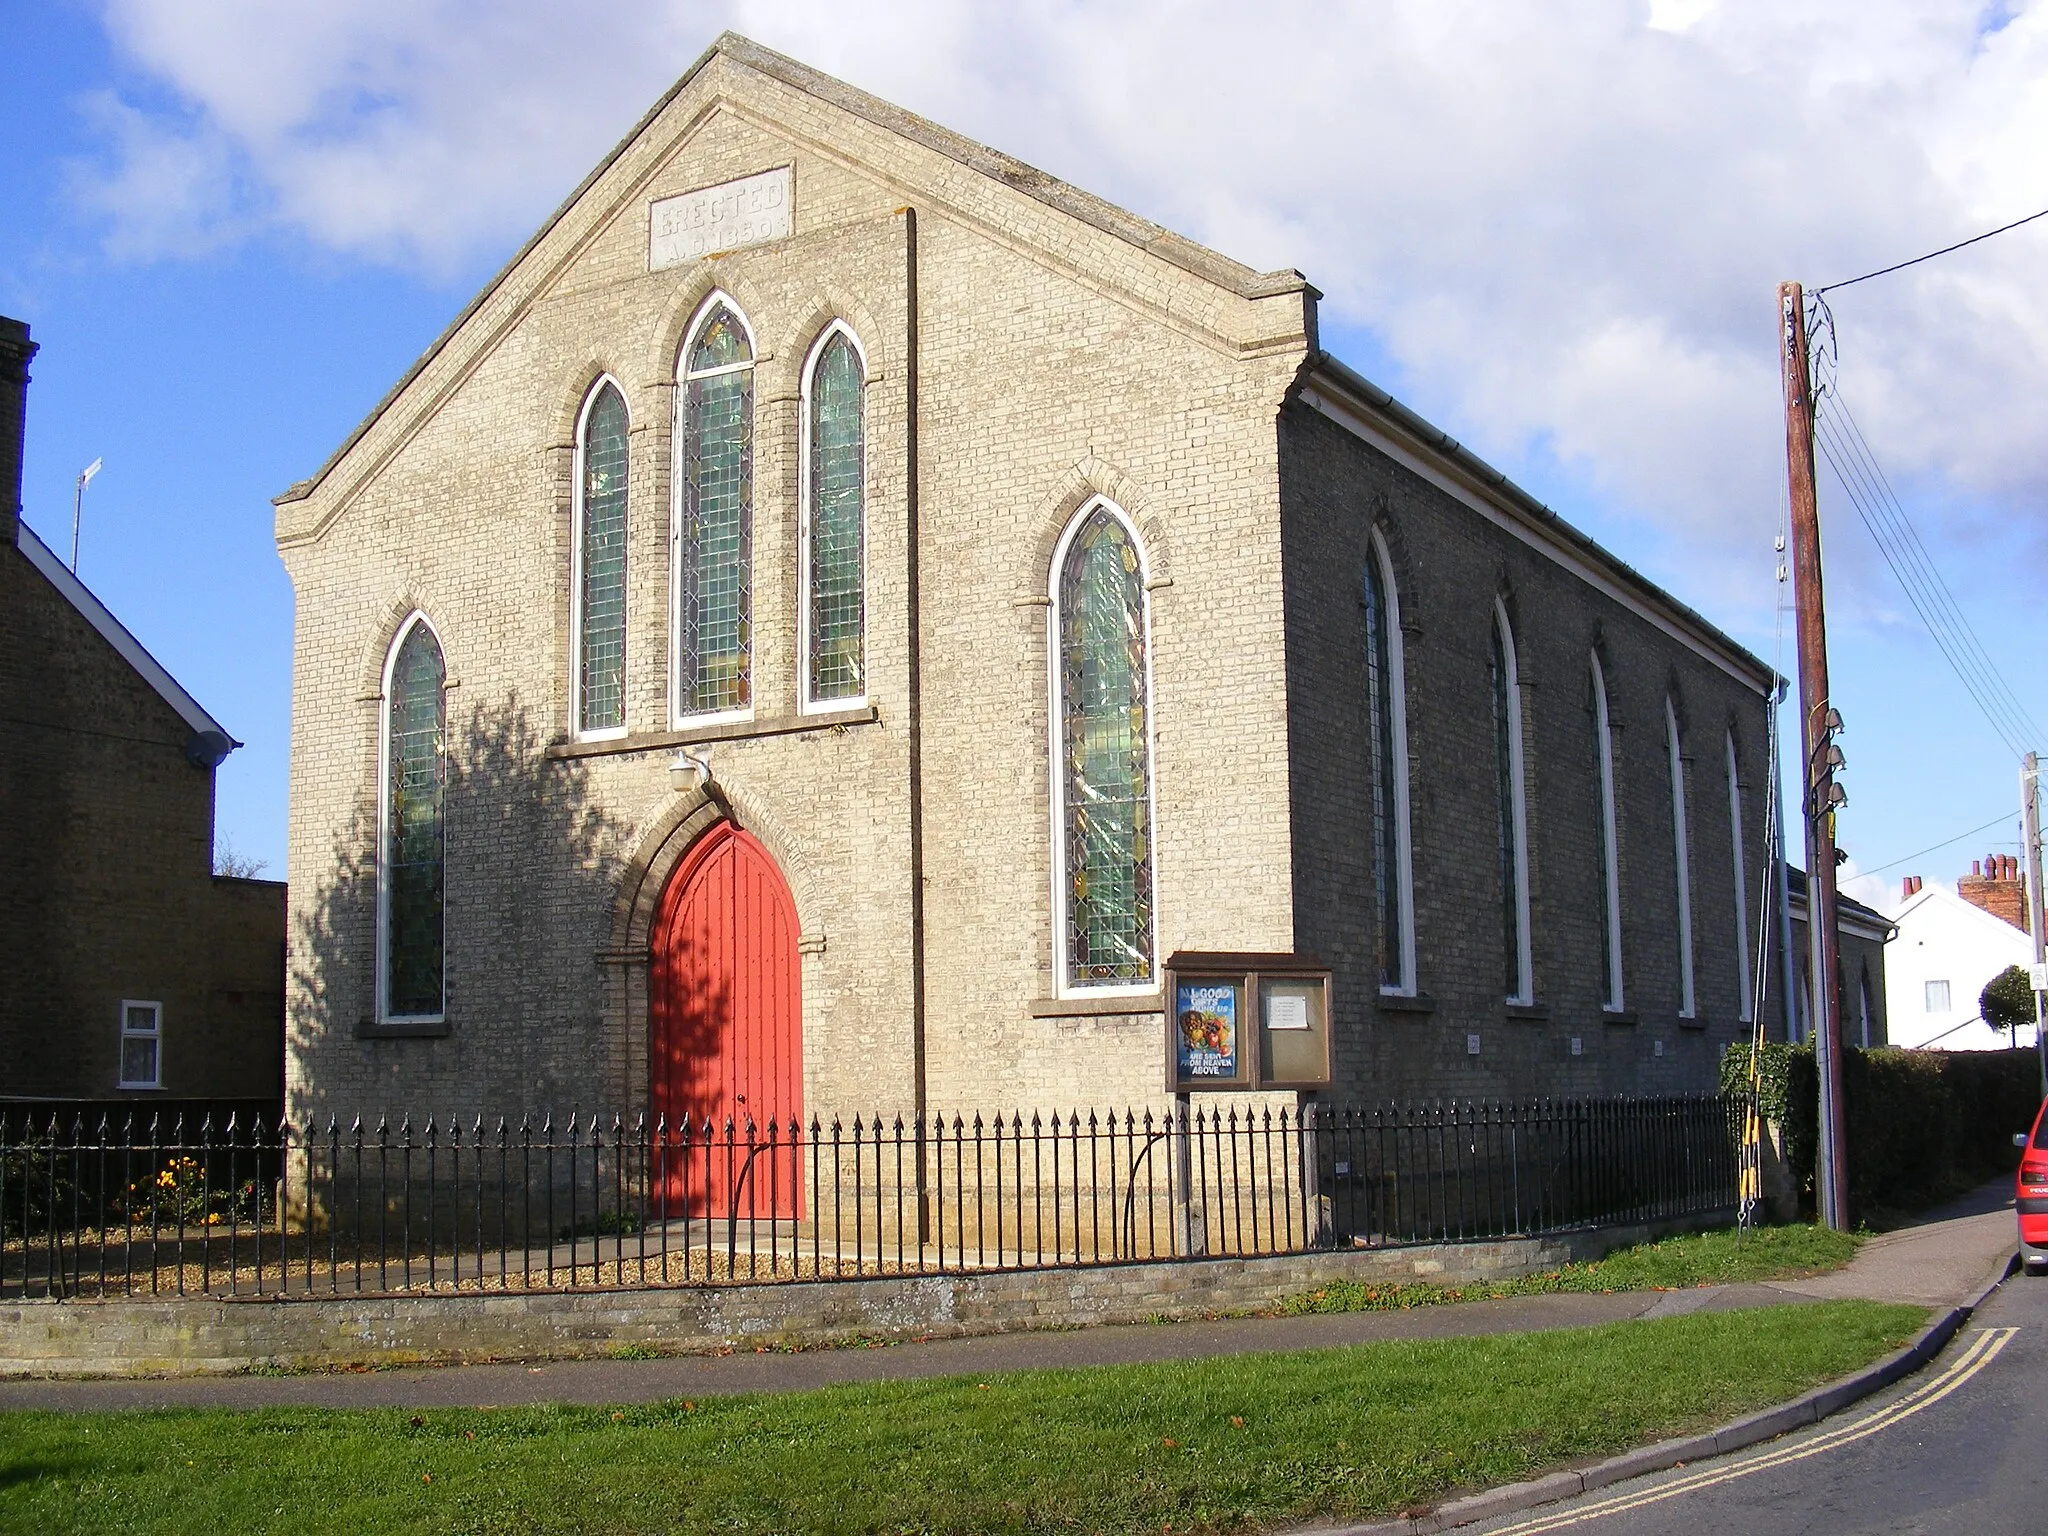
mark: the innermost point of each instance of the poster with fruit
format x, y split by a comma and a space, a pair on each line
1206, 1015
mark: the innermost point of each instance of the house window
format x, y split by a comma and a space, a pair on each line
600, 577
142, 1041
715, 522
833, 536
1744, 1003
1863, 1005
1937, 997
1386, 704
1103, 779
1517, 964
413, 844
1613, 997
1681, 861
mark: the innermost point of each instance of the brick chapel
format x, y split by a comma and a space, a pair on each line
842, 608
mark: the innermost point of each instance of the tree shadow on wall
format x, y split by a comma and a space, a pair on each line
530, 874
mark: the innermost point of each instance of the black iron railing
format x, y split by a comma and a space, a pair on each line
267, 1207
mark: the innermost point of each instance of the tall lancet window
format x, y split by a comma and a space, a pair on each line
1103, 779
715, 522
833, 537
1681, 861
600, 577
412, 846
1613, 994
1745, 1004
1388, 729
1517, 963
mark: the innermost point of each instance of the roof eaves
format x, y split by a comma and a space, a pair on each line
116, 634
1541, 518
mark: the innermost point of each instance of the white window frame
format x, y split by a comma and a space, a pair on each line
1056, 759
1688, 1002
384, 1013
1948, 996
1610, 843
155, 1033
679, 718
576, 522
1396, 683
1525, 957
806, 704
1745, 1011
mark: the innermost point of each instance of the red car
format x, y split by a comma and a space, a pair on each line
2030, 1194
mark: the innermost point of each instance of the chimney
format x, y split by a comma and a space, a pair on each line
15, 351
1910, 888
1995, 884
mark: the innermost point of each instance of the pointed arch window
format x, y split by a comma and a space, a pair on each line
1681, 861
1518, 968
832, 539
1745, 1003
412, 838
599, 579
1102, 779
1386, 705
714, 526
1612, 990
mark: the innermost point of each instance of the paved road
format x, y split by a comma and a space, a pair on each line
1962, 1447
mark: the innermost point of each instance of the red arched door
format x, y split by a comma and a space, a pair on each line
727, 1031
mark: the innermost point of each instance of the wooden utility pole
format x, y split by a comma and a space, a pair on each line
2030, 822
1818, 723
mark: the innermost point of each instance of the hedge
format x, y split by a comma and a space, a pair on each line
1922, 1125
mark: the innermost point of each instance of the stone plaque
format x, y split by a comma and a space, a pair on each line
722, 218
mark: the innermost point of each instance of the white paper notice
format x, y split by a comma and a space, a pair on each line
1286, 1011
721, 218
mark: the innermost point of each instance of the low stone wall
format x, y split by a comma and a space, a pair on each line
197, 1336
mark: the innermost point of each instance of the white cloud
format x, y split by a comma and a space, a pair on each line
1563, 224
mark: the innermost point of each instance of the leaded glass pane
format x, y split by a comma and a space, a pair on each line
1107, 757
722, 343
1379, 673
1510, 871
838, 658
717, 533
603, 662
414, 849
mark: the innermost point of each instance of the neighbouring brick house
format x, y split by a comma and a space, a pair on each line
842, 607
133, 973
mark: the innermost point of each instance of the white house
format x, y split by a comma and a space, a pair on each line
1945, 951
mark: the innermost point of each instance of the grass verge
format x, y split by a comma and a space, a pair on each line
1676, 1263
1238, 1443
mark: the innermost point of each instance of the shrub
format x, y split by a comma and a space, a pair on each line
1920, 1125
2007, 1000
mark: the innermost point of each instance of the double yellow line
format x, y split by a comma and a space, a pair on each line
1983, 1349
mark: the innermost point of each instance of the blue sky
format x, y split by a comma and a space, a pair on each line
232, 227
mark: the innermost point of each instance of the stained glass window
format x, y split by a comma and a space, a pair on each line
1106, 756
1381, 702
414, 852
838, 494
602, 560
1611, 993
1508, 768
715, 560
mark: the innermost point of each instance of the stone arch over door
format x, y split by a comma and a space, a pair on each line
725, 1030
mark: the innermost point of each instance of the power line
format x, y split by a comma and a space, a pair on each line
1869, 490
1900, 266
1946, 842
1920, 582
